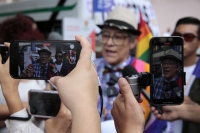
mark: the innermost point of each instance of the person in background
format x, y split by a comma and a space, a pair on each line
20, 28
61, 66
119, 35
189, 29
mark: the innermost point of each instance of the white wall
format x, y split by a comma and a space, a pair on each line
169, 11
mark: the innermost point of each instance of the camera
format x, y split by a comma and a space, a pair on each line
138, 82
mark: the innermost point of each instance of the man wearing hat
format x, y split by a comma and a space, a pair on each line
43, 69
118, 36
164, 86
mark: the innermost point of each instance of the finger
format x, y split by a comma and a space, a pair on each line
54, 80
125, 90
153, 108
140, 100
7, 44
86, 51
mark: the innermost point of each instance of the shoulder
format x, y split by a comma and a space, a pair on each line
99, 61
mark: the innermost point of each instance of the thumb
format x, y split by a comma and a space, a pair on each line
125, 90
54, 80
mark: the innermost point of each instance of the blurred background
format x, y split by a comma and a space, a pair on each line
65, 18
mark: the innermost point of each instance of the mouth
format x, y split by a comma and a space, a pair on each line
110, 52
166, 72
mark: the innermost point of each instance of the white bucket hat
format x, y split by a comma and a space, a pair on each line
123, 19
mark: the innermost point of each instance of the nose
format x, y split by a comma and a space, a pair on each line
110, 42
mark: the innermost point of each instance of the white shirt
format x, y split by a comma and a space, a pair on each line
23, 88
16, 126
58, 67
178, 124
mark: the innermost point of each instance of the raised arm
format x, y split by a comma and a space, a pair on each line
79, 92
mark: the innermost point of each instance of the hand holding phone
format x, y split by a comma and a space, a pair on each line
166, 67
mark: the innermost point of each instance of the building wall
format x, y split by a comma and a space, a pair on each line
169, 11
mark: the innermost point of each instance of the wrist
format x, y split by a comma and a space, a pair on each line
8, 90
132, 130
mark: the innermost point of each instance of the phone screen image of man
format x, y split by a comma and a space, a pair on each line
43, 62
168, 85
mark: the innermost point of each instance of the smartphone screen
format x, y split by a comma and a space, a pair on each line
4, 53
166, 66
44, 104
43, 59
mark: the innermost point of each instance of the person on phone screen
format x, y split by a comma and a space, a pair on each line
169, 85
43, 69
61, 66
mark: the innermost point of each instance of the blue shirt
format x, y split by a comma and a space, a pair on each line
162, 89
104, 78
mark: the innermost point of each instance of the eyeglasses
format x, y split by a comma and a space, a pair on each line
168, 64
118, 38
188, 37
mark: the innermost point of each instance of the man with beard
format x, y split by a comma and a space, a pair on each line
164, 86
43, 69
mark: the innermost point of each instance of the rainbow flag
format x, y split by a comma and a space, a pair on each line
142, 51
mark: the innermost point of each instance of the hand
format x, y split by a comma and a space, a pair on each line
7, 82
30, 71
61, 123
10, 87
127, 112
187, 100
80, 86
170, 113
79, 92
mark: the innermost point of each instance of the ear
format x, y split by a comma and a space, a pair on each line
133, 42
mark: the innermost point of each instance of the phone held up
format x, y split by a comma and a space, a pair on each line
45, 104
43, 59
167, 74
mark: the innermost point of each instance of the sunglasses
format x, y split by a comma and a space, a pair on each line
188, 37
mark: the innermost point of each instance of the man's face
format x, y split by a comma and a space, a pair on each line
189, 47
59, 57
170, 68
44, 57
116, 45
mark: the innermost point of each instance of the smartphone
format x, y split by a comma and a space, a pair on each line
45, 104
166, 67
43, 59
4, 53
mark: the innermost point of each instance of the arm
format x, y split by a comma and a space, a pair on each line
14, 104
79, 92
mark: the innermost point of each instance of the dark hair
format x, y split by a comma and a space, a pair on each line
19, 28
189, 20
57, 52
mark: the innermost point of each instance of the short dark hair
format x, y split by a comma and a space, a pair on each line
189, 20
57, 52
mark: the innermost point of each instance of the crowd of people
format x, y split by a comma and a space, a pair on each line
79, 110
